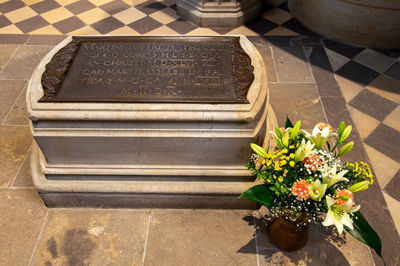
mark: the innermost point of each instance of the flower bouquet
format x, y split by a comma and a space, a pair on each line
304, 177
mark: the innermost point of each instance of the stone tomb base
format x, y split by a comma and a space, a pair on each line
161, 155
216, 13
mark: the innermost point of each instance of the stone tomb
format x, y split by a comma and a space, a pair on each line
147, 121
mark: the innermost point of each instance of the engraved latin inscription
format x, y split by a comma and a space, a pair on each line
146, 70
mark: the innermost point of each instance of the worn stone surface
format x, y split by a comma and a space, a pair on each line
286, 99
24, 176
324, 247
266, 53
364, 123
373, 104
22, 215
5, 54
291, 64
9, 92
387, 87
24, 62
384, 167
14, 144
92, 237
349, 88
17, 115
200, 237
394, 206
393, 119
385, 139
322, 73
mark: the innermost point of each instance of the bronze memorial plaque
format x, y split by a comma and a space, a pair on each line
138, 69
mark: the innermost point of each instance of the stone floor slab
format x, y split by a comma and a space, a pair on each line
9, 93
322, 73
291, 64
24, 61
393, 187
92, 237
364, 123
17, 115
286, 99
386, 140
373, 104
387, 87
266, 54
22, 215
200, 237
14, 145
384, 167
349, 88
393, 119
372, 59
394, 207
24, 176
5, 53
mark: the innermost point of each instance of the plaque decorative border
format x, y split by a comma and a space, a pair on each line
60, 64
243, 75
57, 69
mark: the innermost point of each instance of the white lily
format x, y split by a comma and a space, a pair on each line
304, 150
338, 214
320, 134
317, 190
331, 177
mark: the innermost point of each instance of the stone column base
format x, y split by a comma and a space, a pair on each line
214, 14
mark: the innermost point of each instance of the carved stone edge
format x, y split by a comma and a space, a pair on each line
57, 69
243, 75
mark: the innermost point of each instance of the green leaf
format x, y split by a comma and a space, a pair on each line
288, 123
365, 233
278, 132
329, 146
341, 127
259, 194
295, 130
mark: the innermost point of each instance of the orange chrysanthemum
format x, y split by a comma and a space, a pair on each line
343, 192
312, 162
300, 189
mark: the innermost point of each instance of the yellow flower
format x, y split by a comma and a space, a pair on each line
283, 162
263, 162
292, 155
291, 163
291, 147
274, 176
284, 151
280, 179
269, 163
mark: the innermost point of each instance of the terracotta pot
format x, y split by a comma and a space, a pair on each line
286, 235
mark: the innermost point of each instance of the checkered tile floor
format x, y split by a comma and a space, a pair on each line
369, 78
370, 82
74, 17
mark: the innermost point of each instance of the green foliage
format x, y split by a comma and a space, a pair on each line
288, 123
365, 233
259, 194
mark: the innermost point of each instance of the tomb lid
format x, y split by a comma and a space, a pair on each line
149, 69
